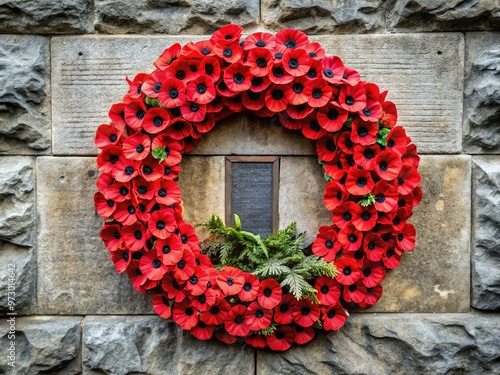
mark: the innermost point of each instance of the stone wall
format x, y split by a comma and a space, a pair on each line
440, 61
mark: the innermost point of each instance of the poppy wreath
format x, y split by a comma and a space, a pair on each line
370, 166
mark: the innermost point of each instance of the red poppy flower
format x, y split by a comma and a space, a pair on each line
253, 100
211, 67
288, 122
372, 112
335, 170
206, 125
372, 296
389, 115
365, 219
187, 234
411, 157
204, 301
105, 207
197, 283
180, 70
408, 179
400, 216
108, 157
333, 317
136, 146
298, 92
230, 280
168, 56
279, 76
391, 258
282, 339
237, 77
126, 213
152, 267
184, 268
352, 98
118, 192
296, 62
257, 341
225, 337
296, 112
260, 61
107, 135
135, 236
302, 335
185, 315
291, 38
152, 84
269, 293
321, 93
345, 213
124, 170
333, 69
354, 292
259, 84
250, 288
386, 197
315, 69
117, 114
201, 90
275, 98
179, 129
235, 321
136, 277
364, 156
331, 117
325, 245
315, 51
193, 112
405, 239
217, 314
258, 318
328, 290
156, 120
359, 182
170, 249
373, 274
350, 76
344, 142
202, 331
227, 34
311, 128
364, 133
172, 93
161, 223
150, 169
174, 291
135, 86
348, 269
388, 165
172, 150
259, 40
349, 237
168, 192
111, 236
335, 194
121, 259
283, 312
234, 104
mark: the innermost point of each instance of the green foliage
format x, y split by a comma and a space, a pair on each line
382, 135
367, 200
269, 330
278, 256
159, 153
153, 102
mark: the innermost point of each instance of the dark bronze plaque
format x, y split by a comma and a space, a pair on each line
251, 193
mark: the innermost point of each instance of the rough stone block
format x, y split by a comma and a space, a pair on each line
152, 345
173, 17
44, 345
17, 200
442, 15
323, 17
486, 233
396, 344
75, 274
24, 89
482, 93
46, 16
424, 76
21, 262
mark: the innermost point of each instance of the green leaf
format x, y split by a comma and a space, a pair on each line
237, 222
297, 284
159, 153
153, 102
367, 200
382, 135
269, 330
273, 268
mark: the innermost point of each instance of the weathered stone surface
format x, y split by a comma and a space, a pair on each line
17, 200
202, 181
75, 274
24, 89
442, 15
482, 93
44, 345
435, 277
396, 344
173, 17
46, 16
301, 190
323, 17
424, 76
89, 73
486, 233
21, 262
152, 345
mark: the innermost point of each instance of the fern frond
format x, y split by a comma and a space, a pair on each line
269, 330
298, 286
272, 268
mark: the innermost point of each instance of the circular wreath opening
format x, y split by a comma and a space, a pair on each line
237, 286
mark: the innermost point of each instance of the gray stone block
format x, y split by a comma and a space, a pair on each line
482, 93
152, 345
75, 274
486, 233
173, 17
442, 15
17, 200
396, 344
323, 17
44, 345
24, 90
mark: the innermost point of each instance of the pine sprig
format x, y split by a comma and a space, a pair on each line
269, 330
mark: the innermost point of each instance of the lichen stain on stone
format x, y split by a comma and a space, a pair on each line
442, 293
412, 293
451, 178
440, 205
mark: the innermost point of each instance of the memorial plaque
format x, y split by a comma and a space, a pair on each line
252, 192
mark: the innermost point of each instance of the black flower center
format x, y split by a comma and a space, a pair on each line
330, 314
260, 43
230, 281
205, 51
305, 310
330, 145
380, 198
400, 237
361, 181
368, 153
278, 55
157, 121
194, 107
366, 215
162, 193
180, 74
157, 87
371, 246
349, 100
268, 292
401, 181
247, 287
147, 170
367, 111
193, 280
328, 244
173, 93
113, 159
297, 88
259, 313
391, 143
165, 249
311, 73
238, 79
352, 238
113, 137
201, 89
352, 288
332, 114
131, 210
312, 55
118, 236
293, 63
189, 311
257, 81
156, 263
317, 93
129, 170
181, 264
138, 235
328, 73
110, 202
261, 62
278, 72
214, 310
347, 271
290, 44
280, 335
283, 308
125, 256
228, 52
140, 114
383, 166
123, 190
277, 94
367, 272
324, 289
160, 225
184, 239
347, 216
